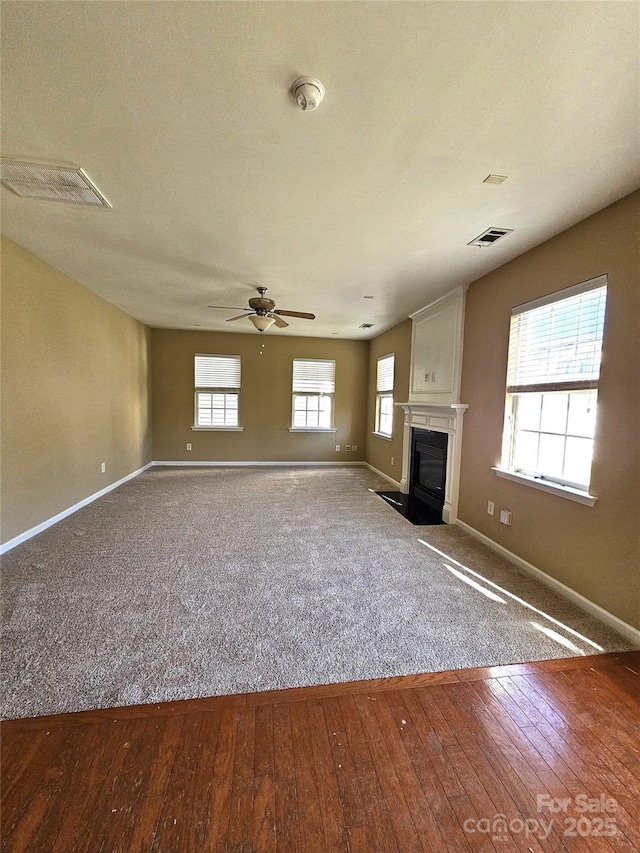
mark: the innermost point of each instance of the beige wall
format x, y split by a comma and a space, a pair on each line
596, 551
74, 392
265, 398
380, 450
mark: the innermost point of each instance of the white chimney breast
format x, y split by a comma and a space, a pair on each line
436, 350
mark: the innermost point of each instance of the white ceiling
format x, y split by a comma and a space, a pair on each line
180, 112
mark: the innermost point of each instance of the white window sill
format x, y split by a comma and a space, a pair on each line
311, 429
545, 486
217, 429
382, 435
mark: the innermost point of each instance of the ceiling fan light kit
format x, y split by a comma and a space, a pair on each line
262, 323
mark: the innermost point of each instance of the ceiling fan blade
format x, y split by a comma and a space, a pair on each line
227, 308
280, 323
239, 317
296, 314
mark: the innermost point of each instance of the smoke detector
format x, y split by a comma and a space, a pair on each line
308, 92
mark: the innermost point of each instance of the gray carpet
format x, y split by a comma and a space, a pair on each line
197, 582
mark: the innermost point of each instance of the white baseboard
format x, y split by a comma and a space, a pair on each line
208, 464
632, 634
33, 531
385, 476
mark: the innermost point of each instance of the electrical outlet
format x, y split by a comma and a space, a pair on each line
354, 446
491, 507
347, 447
337, 447
505, 516
103, 467
393, 461
188, 447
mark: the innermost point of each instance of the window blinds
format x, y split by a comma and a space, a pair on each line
385, 373
217, 371
555, 343
311, 376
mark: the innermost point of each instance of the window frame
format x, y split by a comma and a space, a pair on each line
515, 394
384, 394
225, 389
309, 394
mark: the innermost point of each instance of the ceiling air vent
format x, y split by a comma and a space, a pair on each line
366, 326
51, 183
489, 237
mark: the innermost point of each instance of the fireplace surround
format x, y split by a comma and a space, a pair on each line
438, 418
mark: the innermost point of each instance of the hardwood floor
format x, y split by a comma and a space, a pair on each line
423, 762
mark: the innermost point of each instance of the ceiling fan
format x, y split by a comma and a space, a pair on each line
263, 313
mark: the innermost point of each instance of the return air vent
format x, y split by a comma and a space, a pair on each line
51, 183
489, 237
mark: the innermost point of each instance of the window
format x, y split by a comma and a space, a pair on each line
384, 395
217, 383
313, 388
555, 346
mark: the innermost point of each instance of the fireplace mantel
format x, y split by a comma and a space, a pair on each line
440, 417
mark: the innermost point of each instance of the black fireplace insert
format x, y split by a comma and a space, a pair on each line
427, 474
428, 468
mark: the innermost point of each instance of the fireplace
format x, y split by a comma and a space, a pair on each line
443, 419
428, 468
